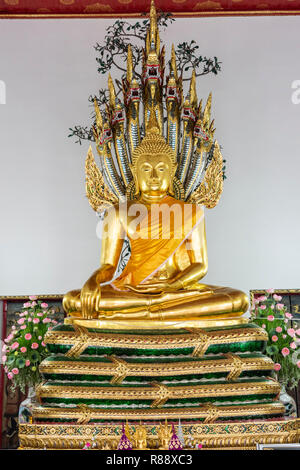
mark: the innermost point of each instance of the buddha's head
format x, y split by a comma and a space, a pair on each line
153, 165
154, 174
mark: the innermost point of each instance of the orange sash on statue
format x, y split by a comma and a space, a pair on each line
160, 234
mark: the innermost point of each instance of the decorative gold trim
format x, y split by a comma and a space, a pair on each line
238, 434
25, 297
139, 341
237, 367
204, 412
252, 292
155, 391
81, 339
199, 14
120, 369
206, 322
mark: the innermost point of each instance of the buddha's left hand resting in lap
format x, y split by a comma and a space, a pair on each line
168, 254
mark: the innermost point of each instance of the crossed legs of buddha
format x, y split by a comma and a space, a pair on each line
193, 303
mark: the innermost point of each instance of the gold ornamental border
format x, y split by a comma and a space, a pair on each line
25, 297
193, 338
209, 413
158, 392
186, 14
253, 292
120, 368
241, 434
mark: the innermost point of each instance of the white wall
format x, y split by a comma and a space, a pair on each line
48, 240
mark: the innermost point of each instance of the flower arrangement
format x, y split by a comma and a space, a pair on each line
24, 347
283, 345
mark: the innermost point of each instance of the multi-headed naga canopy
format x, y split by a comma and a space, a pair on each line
188, 138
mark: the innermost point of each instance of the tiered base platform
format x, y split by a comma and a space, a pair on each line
217, 381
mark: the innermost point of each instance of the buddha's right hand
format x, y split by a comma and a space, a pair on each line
90, 297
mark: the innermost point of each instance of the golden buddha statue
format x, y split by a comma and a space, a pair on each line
153, 198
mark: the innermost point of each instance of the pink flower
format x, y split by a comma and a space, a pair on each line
4, 358
29, 319
270, 317
293, 345
40, 338
28, 336
298, 364
272, 307
40, 314
274, 338
286, 320
298, 331
280, 306
291, 332
9, 338
44, 305
25, 313
34, 346
288, 315
284, 336
285, 352
277, 366
4, 348
10, 375
33, 297
278, 329
263, 325
27, 362
15, 371
46, 320
277, 297
21, 321
270, 291
262, 307
23, 327
15, 345
262, 298
23, 349
36, 320
43, 344
33, 304
27, 305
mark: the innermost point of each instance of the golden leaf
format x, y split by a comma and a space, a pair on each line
210, 190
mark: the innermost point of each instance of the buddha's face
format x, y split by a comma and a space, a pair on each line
154, 173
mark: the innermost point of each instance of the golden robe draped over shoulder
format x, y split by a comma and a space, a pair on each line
166, 226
